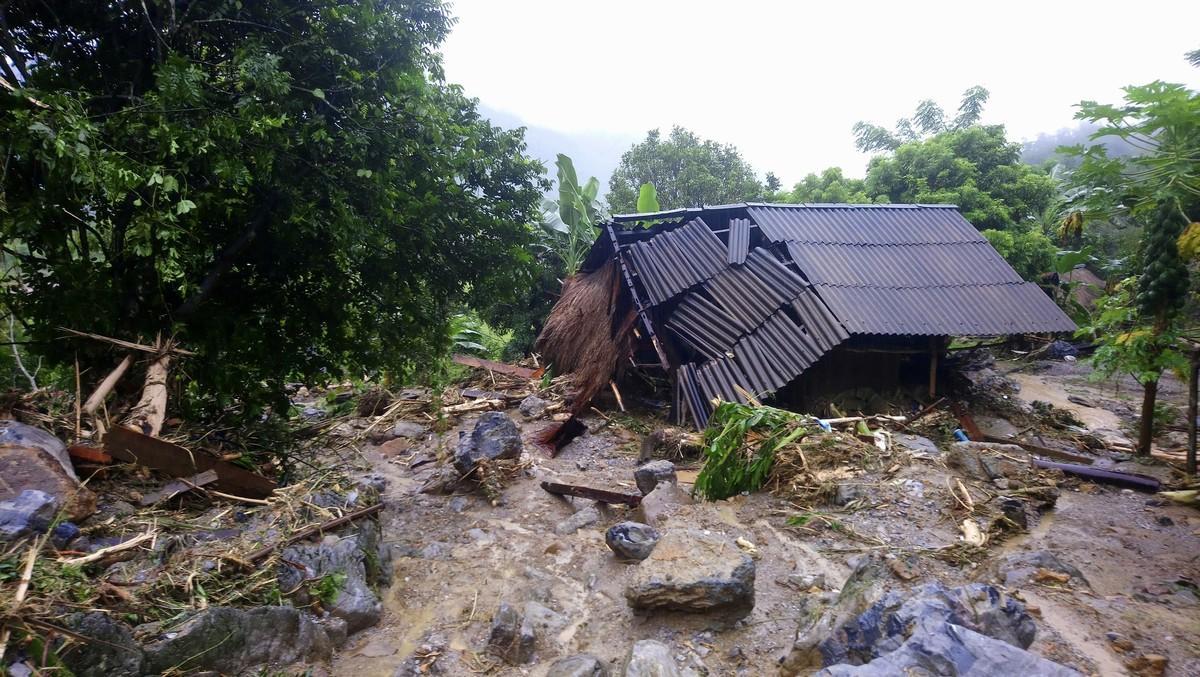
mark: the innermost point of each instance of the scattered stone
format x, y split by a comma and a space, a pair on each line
245, 637
659, 505
691, 570
579, 665
918, 447
905, 567
1164, 521
649, 658
805, 582
510, 640
115, 654
29, 512
1013, 510
631, 540
585, 517
33, 459
532, 407
1019, 569
849, 492
975, 460
354, 563
971, 630
495, 436
651, 474
64, 533
458, 503
542, 623
1060, 349
409, 430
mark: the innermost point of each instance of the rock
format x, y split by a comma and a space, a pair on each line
408, 430
510, 640
658, 505
31, 458
64, 533
30, 512
116, 654
542, 623
949, 650
690, 570
649, 475
495, 436
649, 658
933, 630
917, 446
585, 517
532, 406
976, 460
1013, 511
245, 637
354, 564
849, 492
631, 540
579, 665
1060, 349
1019, 568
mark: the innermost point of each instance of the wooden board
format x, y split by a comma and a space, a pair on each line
130, 446
177, 487
498, 367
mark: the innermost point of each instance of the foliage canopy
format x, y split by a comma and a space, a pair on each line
288, 185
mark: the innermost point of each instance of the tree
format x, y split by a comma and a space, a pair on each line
570, 221
1160, 189
976, 168
686, 170
288, 185
830, 186
928, 120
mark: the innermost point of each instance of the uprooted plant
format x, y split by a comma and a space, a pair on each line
740, 444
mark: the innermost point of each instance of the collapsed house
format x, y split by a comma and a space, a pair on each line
792, 301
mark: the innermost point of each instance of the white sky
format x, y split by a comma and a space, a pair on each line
784, 81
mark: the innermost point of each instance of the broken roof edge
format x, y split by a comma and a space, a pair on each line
686, 211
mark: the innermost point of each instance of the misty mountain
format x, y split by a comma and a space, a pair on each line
1045, 146
594, 153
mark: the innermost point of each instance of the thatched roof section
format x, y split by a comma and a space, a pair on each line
588, 331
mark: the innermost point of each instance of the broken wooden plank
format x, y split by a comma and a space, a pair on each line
106, 386
177, 487
1121, 479
1040, 450
130, 446
86, 454
477, 394
498, 367
602, 495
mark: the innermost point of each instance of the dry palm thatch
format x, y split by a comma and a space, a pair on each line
588, 332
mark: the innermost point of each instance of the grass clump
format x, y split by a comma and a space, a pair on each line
740, 444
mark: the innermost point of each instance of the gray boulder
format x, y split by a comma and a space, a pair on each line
494, 437
631, 540
579, 665
511, 639
585, 517
649, 475
949, 650
353, 563
29, 512
690, 570
31, 458
408, 429
232, 640
532, 406
648, 658
115, 654
1019, 568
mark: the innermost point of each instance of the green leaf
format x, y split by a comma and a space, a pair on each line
364, 173
319, 93
184, 206
647, 199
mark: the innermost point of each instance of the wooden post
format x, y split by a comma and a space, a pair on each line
1193, 373
934, 348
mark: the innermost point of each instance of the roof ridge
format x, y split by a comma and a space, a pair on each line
963, 285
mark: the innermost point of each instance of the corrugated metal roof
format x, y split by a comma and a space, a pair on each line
739, 241
675, 260
983, 310
902, 266
863, 224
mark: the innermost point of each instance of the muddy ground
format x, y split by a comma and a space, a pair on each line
458, 557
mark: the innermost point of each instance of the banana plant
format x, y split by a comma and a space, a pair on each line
570, 221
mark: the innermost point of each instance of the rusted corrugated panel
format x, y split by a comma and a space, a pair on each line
901, 266
983, 310
863, 224
739, 241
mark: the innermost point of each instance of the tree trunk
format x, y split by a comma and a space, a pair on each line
1146, 429
1193, 373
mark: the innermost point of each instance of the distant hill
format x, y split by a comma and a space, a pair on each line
594, 153
1044, 147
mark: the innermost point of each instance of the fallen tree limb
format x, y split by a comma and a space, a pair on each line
1040, 450
106, 386
105, 552
127, 344
474, 405
150, 411
266, 551
492, 365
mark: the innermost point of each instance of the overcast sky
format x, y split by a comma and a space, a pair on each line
784, 81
